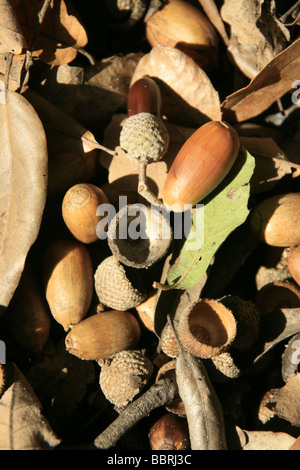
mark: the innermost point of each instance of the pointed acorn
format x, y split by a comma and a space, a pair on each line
201, 164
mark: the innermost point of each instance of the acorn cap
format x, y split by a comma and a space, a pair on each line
207, 328
114, 287
168, 370
168, 342
144, 137
276, 295
143, 247
222, 368
123, 376
247, 316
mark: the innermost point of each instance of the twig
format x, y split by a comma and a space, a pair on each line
7, 70
143, 189
160, 394
284, 17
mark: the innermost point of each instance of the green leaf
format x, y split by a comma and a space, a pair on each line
224, 210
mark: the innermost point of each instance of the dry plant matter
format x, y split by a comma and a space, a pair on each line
188, 342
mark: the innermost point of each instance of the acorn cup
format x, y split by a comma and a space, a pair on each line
68, 281
207, 328
139, 236
79, 211
116, 287
124, 375
104, 334
170, 432
276, 220
200, 165
276, 295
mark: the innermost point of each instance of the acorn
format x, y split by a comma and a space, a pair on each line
117, 287
181, 25
207, 328
124, 375
170, 432
139, 236
276, 220
28, 316
201, 164
144, 97
294, 264
102, 335
68, 281
79, 211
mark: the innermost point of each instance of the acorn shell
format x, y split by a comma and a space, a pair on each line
294, 264
180, 24
276, 220
104, 334
143, 246
124, 375
116, 287
79, 211
68, 280
201, 164
170, 432
207, 328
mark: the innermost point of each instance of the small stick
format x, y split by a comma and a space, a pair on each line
160, 394
284, 17
143, 189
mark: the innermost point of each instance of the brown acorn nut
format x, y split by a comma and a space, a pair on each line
207, 328
294, 264
116, 287
201, 164
170, 432
181, 25
104, 334
142, 247
144, 97
68, 280
124, 375
79, 211
28, 317
276, 220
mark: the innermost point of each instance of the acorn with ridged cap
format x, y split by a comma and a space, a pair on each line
114, 286
124, 375
144, 137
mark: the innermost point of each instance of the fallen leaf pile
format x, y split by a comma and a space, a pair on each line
66, 70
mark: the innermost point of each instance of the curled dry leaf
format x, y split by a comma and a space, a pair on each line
23, 152
123, 173
275, 80
188, 96
11, 36
61, 32
287, 400
256, 34
264, 440
22, 425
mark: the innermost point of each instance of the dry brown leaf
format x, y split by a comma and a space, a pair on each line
22, 426
188, 96
256, 34
11, 36
274, 81
61, 33
23, 185
288, 401
123, 173
271, 163
267, 440
72, 149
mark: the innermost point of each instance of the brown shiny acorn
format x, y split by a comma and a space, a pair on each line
104, 334
183, 26
170, 432
28, 317
294, 264
144, 97
79, 211
276, 220
69, 281
201, 164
